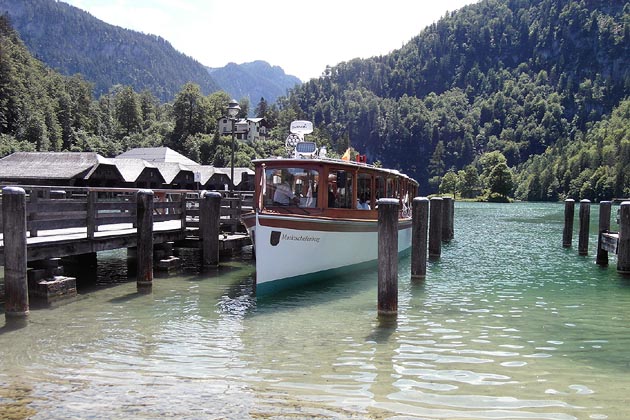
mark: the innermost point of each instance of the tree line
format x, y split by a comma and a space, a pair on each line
503, 98
521, 77
41, 110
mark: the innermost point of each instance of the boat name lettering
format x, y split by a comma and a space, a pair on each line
300, 238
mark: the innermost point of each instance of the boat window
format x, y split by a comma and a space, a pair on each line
364, 190
380, 187
340, 189
291, 187
391, 192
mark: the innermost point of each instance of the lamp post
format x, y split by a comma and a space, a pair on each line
233, 110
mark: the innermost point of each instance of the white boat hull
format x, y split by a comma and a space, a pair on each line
293, 250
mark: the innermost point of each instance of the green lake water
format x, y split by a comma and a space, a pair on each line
507, 325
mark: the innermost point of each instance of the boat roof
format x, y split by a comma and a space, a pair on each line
330, 161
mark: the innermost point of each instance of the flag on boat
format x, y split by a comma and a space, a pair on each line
346, 156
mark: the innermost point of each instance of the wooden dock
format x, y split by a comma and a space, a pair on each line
46, 223
63, 221
608, 241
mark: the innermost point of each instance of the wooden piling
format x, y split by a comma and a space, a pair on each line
420, 217
91, 213
569, 214
447, 218
623, 247
144, 206
585, 219
388, 256
16, 305
604, 226
435, 228
452, 221
209, 224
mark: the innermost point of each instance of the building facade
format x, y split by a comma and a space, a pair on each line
248, 130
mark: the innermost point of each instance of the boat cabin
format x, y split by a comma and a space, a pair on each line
328, 187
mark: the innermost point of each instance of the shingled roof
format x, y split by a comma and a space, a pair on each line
170, 170
131, 169
156, 154
52, 165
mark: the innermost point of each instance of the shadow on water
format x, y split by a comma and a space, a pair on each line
335, 287
14, 324
386, 326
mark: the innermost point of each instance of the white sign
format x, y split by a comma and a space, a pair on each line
301, 127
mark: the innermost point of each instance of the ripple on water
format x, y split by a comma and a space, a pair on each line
507, 324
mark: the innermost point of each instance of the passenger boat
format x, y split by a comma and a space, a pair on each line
316, 217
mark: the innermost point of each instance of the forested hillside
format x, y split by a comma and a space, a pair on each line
41, 110
514, 76
504, 97
72, 41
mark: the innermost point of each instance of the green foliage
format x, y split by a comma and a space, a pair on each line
596, 166
41, 110
468, 182
517, 77
500, 180
450, 183
523, 97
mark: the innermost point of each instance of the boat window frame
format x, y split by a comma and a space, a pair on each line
332, 188
265, 190
366, 174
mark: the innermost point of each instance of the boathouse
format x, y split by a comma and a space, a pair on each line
79, 169
176, 175
151, 167
211, 178
243, 178
138, 173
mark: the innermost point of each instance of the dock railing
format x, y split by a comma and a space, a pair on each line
95, 208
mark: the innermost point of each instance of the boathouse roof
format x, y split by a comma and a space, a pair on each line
205, 172
132, 170
41, 166
156, 154
242, 176
172, 170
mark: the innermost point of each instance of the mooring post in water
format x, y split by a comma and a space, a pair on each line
447, 219
585, 219
623, 247
569, 214
209, 222
435, 228
604, 226
420, 218
144, 275
388, 256
16, 306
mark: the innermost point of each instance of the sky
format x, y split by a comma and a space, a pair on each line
302, 37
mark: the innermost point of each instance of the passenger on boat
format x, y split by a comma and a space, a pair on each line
331, 197
284, 196
362, 203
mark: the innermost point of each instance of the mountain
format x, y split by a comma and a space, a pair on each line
254, 80
72, 41
513, 76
